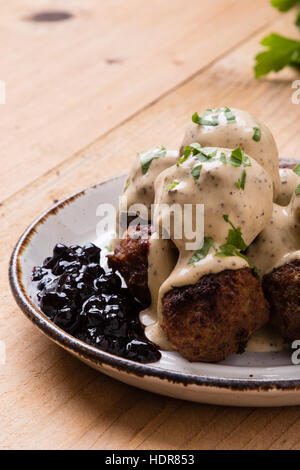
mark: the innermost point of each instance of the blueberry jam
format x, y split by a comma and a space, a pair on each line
83, 299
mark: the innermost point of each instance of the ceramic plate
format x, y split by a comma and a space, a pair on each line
250, 379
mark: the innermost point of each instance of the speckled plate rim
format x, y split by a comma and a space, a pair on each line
95, 356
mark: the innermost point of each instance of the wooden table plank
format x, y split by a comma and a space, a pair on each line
49, 399
70, 82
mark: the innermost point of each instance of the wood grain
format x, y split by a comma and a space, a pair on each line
48, 399
69, 82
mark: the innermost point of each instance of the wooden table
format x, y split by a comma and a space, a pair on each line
84, 94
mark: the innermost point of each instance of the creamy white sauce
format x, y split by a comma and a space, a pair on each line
288, 182
279, 242
140, 186
163, 250
239, 134
266, 339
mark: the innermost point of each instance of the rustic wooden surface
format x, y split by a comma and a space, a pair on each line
83, 95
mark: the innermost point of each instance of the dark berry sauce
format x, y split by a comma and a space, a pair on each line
83, 299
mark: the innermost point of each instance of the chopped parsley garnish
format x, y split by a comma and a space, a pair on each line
146, 158
229, 115
237, 158
211, 119
297, 169
126, 184
234, 236
192, 149
203, 155
297, 190
241, 182
200, 254
203, 121
173, 185
196, 172
223, 158
257, 134
184, 157
234, 245
197, 151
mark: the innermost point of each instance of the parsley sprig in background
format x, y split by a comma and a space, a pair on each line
281, 51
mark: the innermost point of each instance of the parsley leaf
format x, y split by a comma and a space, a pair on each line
147, 157
257, 134
126, 185
237, 158
202, 121
281, 52
196, 172
284, 5
234, 244
297, 22
204, 156
297, 190
200, 254
234, 236
229, 115
223, 158
230, 250
193, 149
297, 169
172, 185
241, 182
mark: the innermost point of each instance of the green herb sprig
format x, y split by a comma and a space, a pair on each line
203, 121
238, 158
257, 134
214, 118
281, 51
241, 182
297, 169
196, 171
234, 246
126, 185
146, 158
172, 186
200, 254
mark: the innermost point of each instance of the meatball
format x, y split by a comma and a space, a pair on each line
282, 289
130, 259
215, 317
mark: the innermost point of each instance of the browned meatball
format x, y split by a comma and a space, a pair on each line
282, 289
130, 259
215, 317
